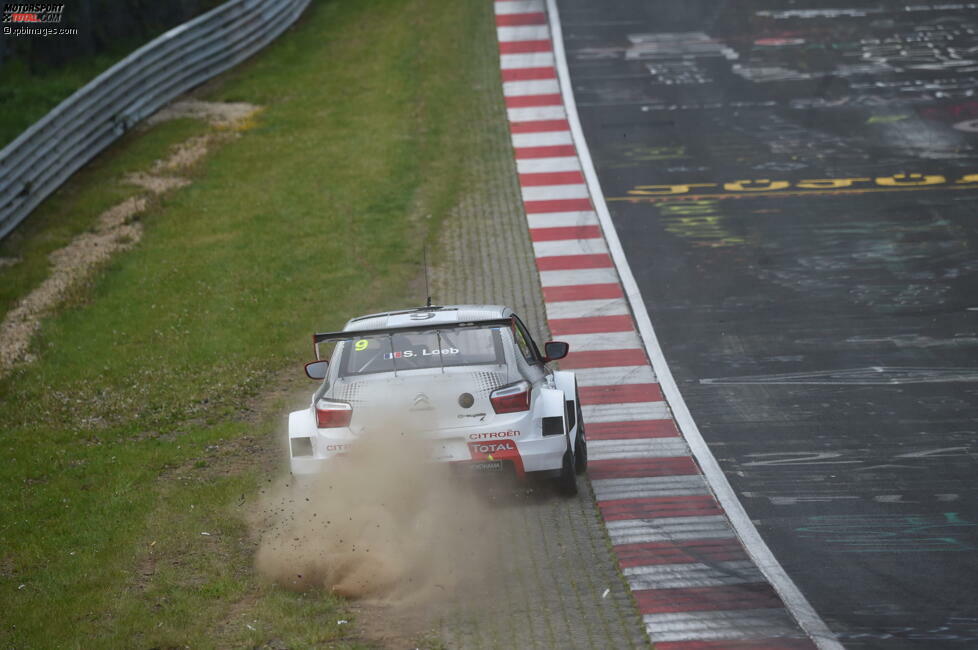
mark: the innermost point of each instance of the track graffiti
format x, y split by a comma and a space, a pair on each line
809, 266
700, 221
766, 186
889, 533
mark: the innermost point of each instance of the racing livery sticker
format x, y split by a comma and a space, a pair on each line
498, 450
512, 433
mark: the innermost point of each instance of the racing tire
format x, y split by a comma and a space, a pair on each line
567, 481
580, 443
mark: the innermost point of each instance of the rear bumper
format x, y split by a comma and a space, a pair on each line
543, 454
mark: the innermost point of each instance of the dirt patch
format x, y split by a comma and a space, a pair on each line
186, 153
115, 230
155, 184
239, 613
220, 114
7, 567
183, 156
146, 570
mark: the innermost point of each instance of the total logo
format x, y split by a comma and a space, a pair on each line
492, 447
495, 435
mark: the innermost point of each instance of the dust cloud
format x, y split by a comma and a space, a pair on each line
381, 524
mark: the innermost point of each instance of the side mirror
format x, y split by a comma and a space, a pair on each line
316, 369
554, 350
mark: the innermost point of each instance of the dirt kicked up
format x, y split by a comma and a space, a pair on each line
380, 523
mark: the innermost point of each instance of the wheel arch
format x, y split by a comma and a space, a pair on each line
566, 381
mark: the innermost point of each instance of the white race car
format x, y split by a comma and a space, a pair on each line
469, 377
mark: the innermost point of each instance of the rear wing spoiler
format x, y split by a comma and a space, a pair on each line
332, 337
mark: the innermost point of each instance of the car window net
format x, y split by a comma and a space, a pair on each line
417, 350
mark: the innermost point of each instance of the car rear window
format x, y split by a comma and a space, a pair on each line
427, 349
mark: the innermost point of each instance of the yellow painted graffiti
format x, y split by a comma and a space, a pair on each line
829, 183
911, 179
655, 153
698, 221
763, 185
690, 207
886, 119
667, 189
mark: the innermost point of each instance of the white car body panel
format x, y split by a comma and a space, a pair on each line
428, 400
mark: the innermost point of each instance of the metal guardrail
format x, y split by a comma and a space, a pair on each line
56, 146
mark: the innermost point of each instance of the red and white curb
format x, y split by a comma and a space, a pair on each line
696, 584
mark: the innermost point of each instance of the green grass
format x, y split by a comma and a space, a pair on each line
150, 414
76, 206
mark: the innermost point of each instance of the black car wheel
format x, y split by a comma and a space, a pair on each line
580, 444
567, 481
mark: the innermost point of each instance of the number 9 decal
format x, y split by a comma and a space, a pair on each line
361, 345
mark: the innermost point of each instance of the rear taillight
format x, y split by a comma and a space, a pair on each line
512, 398
331, 414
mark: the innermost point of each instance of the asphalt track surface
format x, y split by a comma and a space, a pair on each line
795, 188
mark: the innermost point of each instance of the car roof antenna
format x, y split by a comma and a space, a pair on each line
427, 289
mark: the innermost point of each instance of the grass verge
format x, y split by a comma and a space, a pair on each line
151, 412
75, 207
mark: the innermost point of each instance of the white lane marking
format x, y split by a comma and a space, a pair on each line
519, 7
624, 412
527, 60
587, 308
636, 448
741, 624
608, 489
572, 277
523, 33
562, 219
544, 165
604, 341
552, 192
615, 374
569, 247
531, 87
534, 113
680, 576
665, 529
541, 139
794, 600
